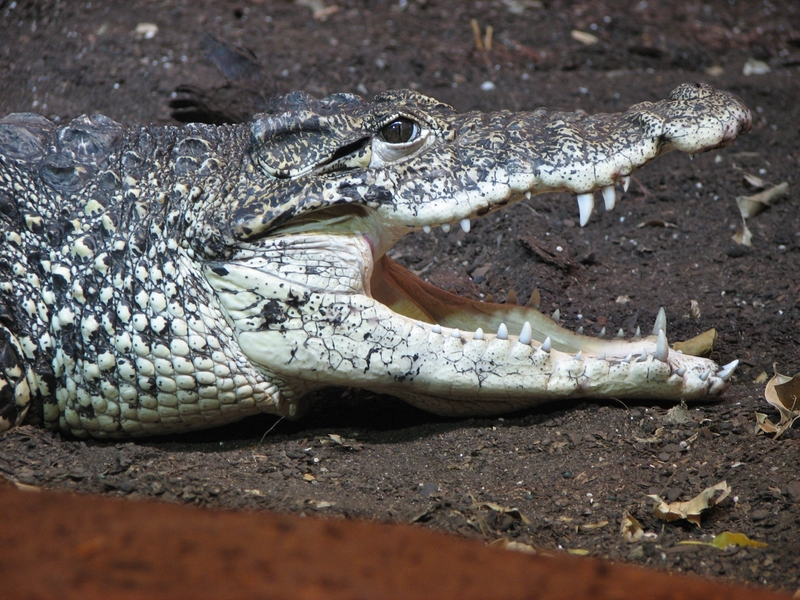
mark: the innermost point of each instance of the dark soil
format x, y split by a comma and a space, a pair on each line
565, 468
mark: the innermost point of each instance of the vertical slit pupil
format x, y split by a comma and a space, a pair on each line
398, 131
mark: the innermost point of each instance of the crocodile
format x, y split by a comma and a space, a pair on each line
160, 279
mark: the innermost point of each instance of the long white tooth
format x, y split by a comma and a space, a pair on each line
579, 331
502, 332
621, 333
585, 206
478, 335
556, 316
426, 228
526, 334
437, 328
446, 227
626, 182
547, 344
455, 333
705, 375
628, 358
661, 321
602, 332
638, 333
726, 371
642, 356
527, 195
579, 355
465, 225
609, 197
662, 347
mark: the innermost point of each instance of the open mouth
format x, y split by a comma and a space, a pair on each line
316, 301
407, 295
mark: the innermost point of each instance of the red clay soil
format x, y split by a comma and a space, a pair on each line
60, 545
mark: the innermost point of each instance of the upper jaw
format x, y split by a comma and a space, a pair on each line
500, 158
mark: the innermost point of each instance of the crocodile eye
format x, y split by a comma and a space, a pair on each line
399, 131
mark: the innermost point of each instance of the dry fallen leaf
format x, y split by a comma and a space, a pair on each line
699, 345
750, 206
726, 539
782, 392
754, 181
679, 414
506, 510
764, 424
583, 37
745, 236
630, 528
691, 509
762, 377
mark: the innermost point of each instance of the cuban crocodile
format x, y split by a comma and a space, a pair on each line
164, 279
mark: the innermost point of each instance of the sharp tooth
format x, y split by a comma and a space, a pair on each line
579, 330
478, 335
661, 321
455, 333
726, 371
602, 332
691, 156
705, 375
512, 297
437, 328
638, 333
502, 332
526, 334
556, 316
628, 358
585, 206
626, 182
490, 298
642, 356
609, 197
662, 347
465, 225
528, 195
547, 344
681, 372
426, 228
535, 299
579, 355
621, 333
446, 227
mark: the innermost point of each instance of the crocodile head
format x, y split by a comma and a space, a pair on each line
160, 279
345, 179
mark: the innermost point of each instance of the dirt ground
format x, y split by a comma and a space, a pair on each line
566, 469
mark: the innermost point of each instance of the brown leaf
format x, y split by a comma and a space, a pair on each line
783, 392
750, 206
553, 258
630, 528
754, 181
691, 509
699, 345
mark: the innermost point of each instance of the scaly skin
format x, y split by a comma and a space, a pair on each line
161, 279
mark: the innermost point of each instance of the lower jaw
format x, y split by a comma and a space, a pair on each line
405, 293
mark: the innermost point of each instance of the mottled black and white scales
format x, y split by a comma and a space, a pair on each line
160, 279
